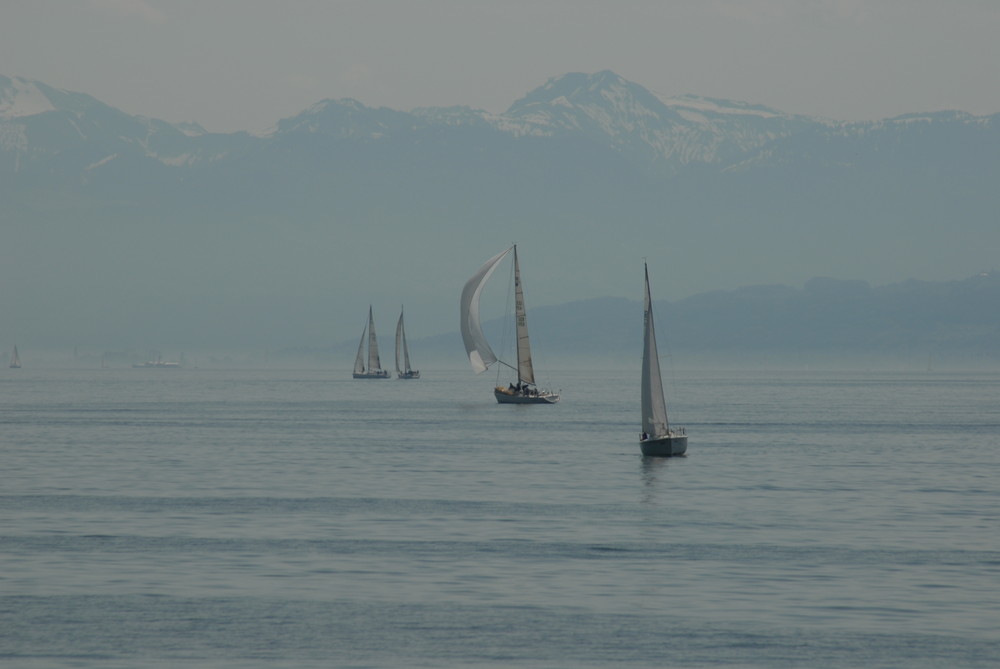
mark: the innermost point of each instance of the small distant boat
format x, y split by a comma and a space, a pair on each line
157, 364
374, 369
658, 438
481, 356
15, 359
403, 372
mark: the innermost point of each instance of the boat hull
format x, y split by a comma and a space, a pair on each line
414, 374
371, 375
505, 396
665, 447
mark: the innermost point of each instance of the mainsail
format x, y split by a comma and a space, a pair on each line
359, 361
401, 347
525, 371
481, 356
654, 406
373, 361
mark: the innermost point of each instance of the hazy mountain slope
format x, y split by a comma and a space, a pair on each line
912, 322
127, 228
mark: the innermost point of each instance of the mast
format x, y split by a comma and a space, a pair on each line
525, 371
654, 407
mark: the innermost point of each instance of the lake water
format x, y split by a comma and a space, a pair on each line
213, 518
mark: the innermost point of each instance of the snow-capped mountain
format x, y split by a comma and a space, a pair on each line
345, 119
669, 132
592, 171
63, 132
604, 108
660, 134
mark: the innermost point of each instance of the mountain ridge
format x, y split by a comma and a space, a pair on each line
107, 216
661, 133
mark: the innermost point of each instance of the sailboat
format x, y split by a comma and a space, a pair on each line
15, 359
403, 372
658, 438
481, 356
156, 363
374, 369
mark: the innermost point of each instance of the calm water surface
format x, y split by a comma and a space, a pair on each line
206, 518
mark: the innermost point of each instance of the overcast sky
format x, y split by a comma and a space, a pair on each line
245, 64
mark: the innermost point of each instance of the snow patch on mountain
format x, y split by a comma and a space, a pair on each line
20, 97
344, 118
103, 161
190, 128
697, 107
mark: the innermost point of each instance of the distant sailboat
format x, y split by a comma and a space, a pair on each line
403, 372
374, 369
481, 356
658, 438
156, 362
15, 359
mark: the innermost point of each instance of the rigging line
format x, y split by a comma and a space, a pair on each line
508, 366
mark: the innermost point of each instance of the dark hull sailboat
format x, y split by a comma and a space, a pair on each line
403, 353
658, 437
481, 356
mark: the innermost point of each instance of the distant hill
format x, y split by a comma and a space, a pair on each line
916, 322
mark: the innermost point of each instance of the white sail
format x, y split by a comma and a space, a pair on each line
654, 406
373, 361
401, 347
481, 356
525, 371
399, 339
406, 354
359, 361
15, 359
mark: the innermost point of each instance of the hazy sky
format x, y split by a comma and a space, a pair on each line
245, 64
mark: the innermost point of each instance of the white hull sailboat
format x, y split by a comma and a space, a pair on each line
658, 438
481, 356
374, 368
15, 359
403, 372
